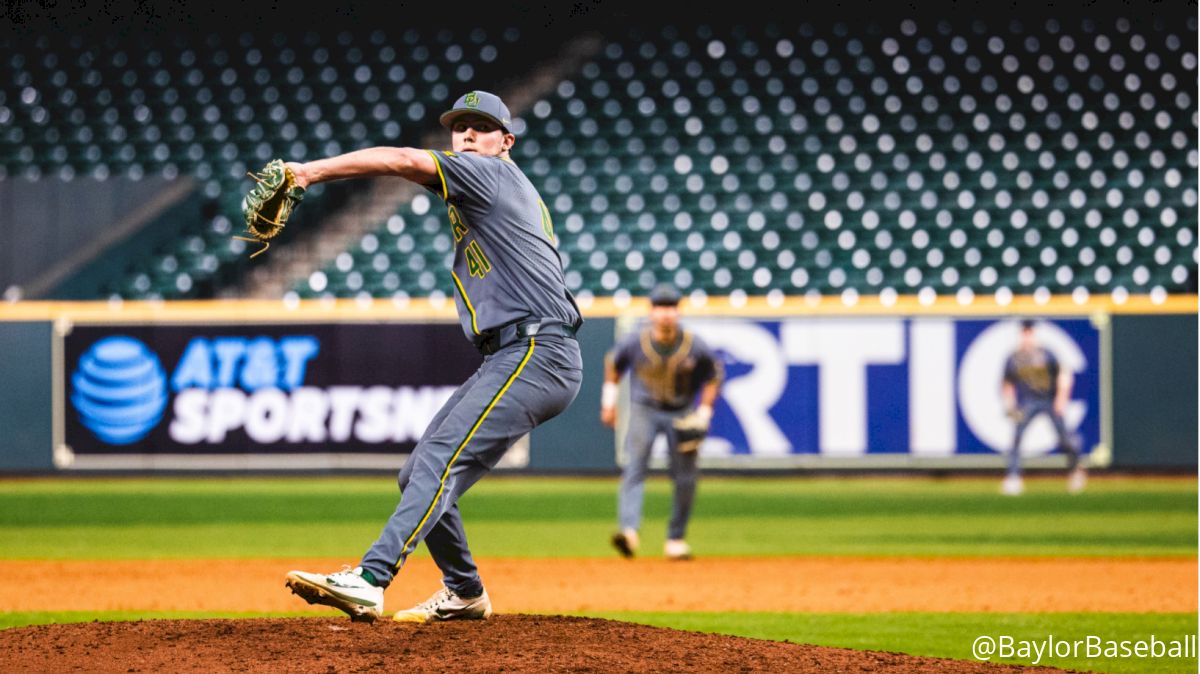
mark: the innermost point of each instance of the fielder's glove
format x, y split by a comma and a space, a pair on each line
269, 204
1015, 414
692, 428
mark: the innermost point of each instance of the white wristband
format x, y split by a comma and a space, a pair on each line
608, 394
705, 413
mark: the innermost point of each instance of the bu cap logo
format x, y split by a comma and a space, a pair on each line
479, 103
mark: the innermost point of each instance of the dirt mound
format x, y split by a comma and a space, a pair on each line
508, 643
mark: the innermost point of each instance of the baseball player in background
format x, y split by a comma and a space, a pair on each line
671, 366
514, 306
1035, 383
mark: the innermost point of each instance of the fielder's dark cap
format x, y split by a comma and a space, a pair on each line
479, 103
664, 294
1027, 324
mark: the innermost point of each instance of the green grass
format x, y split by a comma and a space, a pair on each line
24, 618
544, 517
551, 517
947, 635
944, 635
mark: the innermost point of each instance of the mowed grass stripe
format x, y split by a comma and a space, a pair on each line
103, 501
555, 517
25, 618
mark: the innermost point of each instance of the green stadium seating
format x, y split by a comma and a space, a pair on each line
889, 156
214, 105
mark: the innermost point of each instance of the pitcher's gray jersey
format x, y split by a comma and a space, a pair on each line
506, 263
666, 378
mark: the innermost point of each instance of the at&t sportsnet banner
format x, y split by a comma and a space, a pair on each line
863, 392
255, 396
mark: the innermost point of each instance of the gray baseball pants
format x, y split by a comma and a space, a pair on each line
1029, 411
645, 424
517, 388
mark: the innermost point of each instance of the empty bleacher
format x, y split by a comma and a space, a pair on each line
217, 104
1056, 157
987, 156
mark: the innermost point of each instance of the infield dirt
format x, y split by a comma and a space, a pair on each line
805, 584
528, 643
514, 643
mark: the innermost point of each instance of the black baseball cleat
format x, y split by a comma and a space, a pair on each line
626, 542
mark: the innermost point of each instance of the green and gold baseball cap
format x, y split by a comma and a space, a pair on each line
479, 103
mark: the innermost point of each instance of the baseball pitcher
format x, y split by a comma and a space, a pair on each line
514, 306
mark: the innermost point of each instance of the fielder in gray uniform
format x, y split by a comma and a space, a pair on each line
676, 381
1035, 383
514, 306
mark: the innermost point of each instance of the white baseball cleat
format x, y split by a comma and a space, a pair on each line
1012, 485
677, 549
445, 605
345, 590
1077, 480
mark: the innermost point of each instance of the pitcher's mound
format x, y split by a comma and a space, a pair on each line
507, 643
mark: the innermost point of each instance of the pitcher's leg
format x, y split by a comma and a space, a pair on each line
539, 395
382, 573
515, 390
447, 543
434, 465
447, 540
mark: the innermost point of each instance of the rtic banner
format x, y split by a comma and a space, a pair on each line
258, 389
886, 391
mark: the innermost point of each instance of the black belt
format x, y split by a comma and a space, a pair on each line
493, 340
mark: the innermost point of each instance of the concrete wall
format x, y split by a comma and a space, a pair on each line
1154, 391
26, 405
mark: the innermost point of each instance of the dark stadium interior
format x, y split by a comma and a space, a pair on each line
949, 151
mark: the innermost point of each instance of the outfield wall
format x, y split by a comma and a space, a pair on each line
810, 384
27, 402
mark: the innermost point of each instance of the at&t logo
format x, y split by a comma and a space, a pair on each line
119, 390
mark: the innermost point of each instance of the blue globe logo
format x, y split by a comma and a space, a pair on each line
119, 390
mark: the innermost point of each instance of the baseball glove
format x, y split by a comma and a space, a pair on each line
692, 428
688, 441
270, 203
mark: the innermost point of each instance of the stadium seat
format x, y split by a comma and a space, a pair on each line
930, 155
213, 105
